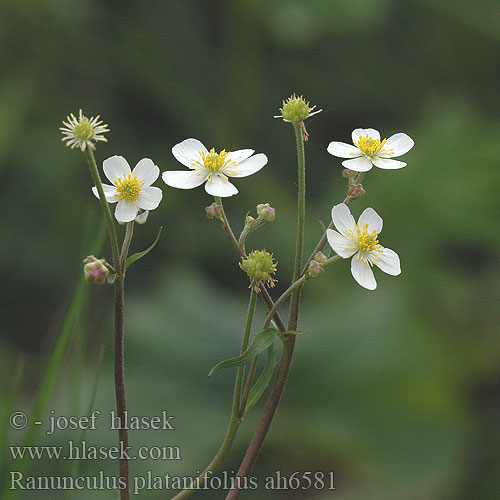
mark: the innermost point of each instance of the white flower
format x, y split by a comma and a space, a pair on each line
132, 190
211, 167
360, 240
368, 150
82, 132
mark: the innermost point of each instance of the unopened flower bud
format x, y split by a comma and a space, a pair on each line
348, 173
89, 259
95, 271
266, 212
213, 211
316, 269
295, 110
356, 191
320, 257
249, 221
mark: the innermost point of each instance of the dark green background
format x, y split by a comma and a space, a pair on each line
397, 390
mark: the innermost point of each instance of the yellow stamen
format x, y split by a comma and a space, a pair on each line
213, 161
369, 146
129, 188
365, 243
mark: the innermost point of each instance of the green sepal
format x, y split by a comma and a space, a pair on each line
260, 342
111, 278
140, 255
263, 381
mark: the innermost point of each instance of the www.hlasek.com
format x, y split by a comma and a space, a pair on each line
278, 481
74, 450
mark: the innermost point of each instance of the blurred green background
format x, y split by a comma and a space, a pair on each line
397, 391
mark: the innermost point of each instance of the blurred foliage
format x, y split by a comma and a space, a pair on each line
398, 390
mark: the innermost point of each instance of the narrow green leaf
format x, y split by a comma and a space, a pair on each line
140, 255
9, 406
294, 332
76, 463
260, 342
263, 381
54, 364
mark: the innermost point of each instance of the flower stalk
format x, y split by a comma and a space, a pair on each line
288, 340
118, 264
105, 208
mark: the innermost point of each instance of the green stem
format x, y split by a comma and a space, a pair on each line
121, 400
129, 232
227, 229
267, 417
234, 422
294, 286
301, 213
288, 340
105, 209
119, 265
331, 260
267, 321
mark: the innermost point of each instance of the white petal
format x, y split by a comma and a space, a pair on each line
342, 245
343, 150
240, 155
125, 211
218, 185
389, 262
109, 193
362, 273
149, 198
247, 167
185, 180
387, 164
370, 132
361, 164
397, 145
372, 218
142, 217
342, 218
115, 167
187, 151
146, 171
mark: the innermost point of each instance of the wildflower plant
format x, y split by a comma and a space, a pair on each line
348, 239
134, 195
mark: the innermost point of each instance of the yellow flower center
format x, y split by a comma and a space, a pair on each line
369, 146
213, 161
129, 188
367, 242
84, 130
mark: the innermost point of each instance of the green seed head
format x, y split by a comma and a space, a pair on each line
84, 130
259, 265
296, 109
